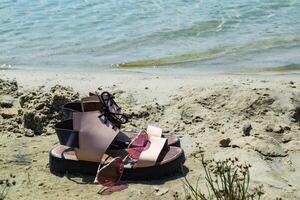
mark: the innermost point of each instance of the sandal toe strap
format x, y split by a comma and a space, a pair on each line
149, 156
154, 131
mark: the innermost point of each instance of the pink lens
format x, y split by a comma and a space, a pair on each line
135, 152
110, 174
138, 145
140, 140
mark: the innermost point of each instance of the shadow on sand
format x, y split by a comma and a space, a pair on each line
88, 179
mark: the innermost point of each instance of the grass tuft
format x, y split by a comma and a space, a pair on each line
5, 186
225, 180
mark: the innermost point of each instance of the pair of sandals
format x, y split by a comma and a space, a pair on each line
91, 142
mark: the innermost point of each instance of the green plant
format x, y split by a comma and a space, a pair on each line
225, 180
5, 188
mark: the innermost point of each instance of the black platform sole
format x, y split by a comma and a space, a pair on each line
59, 165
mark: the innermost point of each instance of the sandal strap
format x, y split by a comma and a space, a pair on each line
95, 135
90, 103
65, 133
149, 156
154, 131
107, 106
106, 99
69, 137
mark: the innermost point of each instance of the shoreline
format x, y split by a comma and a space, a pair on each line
90, 80
202, 110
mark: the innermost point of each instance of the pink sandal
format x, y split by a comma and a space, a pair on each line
146, 157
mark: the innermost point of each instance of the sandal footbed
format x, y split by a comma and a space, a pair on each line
62, 159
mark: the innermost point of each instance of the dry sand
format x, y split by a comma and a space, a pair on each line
202, 110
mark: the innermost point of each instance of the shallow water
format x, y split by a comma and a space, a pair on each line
176, 36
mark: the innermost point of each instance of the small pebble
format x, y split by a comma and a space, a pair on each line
247, 129
225, 142
278, 129
29, 133
269, 128
286, 138
160, 191
40, 184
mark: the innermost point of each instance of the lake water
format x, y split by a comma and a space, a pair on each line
162, 35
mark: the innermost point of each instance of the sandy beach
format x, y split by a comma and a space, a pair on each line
221, 76
208, 113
